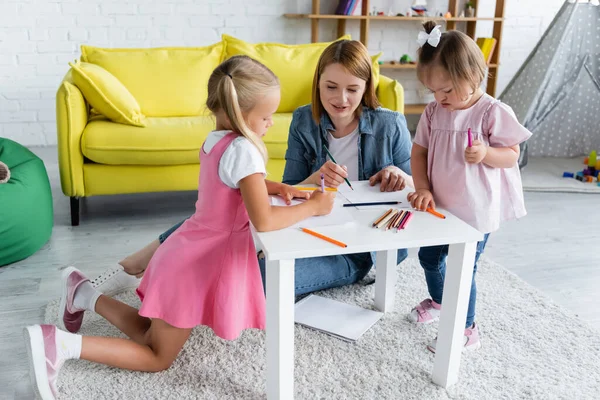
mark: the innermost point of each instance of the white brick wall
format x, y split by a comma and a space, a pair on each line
39, 37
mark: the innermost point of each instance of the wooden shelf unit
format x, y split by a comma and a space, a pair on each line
453, 5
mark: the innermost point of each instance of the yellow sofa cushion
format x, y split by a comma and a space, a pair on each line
106, 94
164, 141
294, 65
166, 82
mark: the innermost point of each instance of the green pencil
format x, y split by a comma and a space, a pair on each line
335, 162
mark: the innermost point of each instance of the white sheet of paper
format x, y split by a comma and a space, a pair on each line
338, 216
365, 193
345, 321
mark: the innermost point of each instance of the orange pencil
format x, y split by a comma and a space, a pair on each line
437, 214
327, 238
382, 217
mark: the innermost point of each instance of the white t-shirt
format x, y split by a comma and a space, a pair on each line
345, 152
240, 159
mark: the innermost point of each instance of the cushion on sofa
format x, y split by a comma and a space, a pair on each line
294, 65
166, 82
106, 94
164, 141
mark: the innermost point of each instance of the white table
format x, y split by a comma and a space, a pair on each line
282, 247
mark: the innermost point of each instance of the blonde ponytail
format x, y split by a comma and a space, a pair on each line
231, 108
235, 87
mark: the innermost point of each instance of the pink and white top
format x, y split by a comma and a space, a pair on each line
480, 195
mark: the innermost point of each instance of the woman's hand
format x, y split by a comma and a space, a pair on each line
323, 202
476, 153
334, 174
287, 193
392, 179
421, 200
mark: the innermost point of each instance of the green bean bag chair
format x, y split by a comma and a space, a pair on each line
26, 212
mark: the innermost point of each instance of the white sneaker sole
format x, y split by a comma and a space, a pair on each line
63, 297
34, 341
412, 319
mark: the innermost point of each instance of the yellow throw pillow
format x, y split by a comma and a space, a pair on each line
294, 65
106, 94
166, 81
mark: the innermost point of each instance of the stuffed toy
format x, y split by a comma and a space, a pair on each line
4, 173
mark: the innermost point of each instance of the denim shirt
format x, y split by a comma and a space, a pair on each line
383, 140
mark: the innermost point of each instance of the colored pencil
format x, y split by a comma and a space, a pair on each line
327, 189
406, 220
402, 221
385, 214
437, 214
335, 162
375, 203
322, 183
470, 137
392, 221
386, 219
326, 238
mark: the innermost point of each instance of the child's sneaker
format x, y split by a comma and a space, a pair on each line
471, 339
114, 281
426, 312
44, 359
70, 317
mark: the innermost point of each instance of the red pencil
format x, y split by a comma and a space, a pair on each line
410, 214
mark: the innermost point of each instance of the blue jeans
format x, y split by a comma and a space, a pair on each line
433, 261
318, 273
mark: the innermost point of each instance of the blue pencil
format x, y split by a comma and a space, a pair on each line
375, 203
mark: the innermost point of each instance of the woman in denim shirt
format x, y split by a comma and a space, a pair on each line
368, 142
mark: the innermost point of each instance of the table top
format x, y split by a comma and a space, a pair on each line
424, 229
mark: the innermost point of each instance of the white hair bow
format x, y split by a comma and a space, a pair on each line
432, 38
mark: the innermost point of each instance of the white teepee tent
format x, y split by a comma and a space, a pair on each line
556, 93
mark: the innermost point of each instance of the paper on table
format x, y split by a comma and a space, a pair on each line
338, 216
365, 193
345, 321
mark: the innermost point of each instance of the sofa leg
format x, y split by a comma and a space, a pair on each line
74, 211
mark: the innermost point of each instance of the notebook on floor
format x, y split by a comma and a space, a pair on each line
344, 321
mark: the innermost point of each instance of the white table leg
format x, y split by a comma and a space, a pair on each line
280, 329
385, 279
455, 301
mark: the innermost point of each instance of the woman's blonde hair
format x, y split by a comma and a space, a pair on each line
235, 87
353, 56
456, 53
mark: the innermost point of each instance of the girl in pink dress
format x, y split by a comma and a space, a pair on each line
464, 158
207, 272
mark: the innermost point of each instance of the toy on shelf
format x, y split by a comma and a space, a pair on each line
405, 59
590, 172
448, 15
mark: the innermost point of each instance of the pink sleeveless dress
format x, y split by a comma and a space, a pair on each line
206, 272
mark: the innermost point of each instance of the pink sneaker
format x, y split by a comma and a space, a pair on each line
471, 339
426, 312
44, 360
70, 318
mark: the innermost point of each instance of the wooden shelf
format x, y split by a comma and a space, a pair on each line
414, 108
389, 18
466, 24
397, 65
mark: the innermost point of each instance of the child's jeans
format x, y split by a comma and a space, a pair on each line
318, 273
433, 261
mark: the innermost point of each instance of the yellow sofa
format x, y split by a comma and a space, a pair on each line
100, 157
